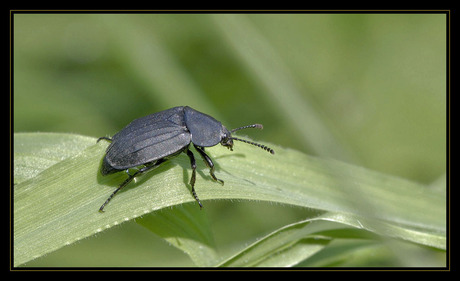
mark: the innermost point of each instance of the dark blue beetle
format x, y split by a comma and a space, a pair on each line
153, 139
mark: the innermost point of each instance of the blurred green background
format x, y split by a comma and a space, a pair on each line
367, 89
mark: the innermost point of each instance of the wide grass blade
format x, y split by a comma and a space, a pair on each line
59, 205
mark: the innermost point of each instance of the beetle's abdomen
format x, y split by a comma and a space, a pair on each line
106, 168
147, 139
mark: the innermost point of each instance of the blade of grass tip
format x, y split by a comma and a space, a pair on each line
385, 229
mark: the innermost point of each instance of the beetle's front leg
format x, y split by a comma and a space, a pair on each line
207, 160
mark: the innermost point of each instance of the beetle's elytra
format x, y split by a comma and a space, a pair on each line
153, 139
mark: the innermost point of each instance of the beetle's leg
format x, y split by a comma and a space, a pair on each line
192, 180
128, 180
207, 160
147, 167
104, 138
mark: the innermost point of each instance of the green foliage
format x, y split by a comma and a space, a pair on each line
59, 205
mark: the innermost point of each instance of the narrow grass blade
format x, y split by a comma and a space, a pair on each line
187, 228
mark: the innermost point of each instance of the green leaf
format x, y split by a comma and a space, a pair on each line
187, 228
294, 243
34, 152
59, 205
284, 247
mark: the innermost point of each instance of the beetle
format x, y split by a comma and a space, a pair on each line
151, 140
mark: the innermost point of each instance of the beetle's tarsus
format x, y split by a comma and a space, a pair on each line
104, 138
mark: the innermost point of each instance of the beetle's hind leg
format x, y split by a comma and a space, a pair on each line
128, 180
209, 163
147, 167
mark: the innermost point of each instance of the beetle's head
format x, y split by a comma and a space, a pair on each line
227, 139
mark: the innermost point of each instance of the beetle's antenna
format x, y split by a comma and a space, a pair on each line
256, 144
257, 126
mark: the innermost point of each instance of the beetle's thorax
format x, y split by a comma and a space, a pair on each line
205, 131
